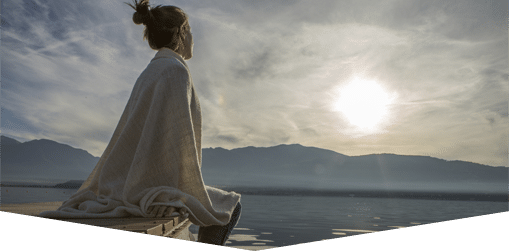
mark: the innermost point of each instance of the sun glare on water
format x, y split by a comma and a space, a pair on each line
364, 103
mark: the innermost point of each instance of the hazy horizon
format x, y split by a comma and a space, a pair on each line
356, 77
229, 149
283, 166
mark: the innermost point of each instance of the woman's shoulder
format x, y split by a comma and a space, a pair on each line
169, 65
170, 59
166, 69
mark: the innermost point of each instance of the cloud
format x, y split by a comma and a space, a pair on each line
268, 72
61, 73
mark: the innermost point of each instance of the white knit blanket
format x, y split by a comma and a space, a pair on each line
154, 155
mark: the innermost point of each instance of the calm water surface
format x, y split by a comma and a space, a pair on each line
287, 220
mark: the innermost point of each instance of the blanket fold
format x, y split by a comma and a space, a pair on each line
154, 155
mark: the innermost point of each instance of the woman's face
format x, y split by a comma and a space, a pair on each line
187, 53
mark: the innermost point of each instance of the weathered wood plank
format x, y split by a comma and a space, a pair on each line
168, 226
141, 228
33, 209
181, 231
105, 222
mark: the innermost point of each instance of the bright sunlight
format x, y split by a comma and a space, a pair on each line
364, 103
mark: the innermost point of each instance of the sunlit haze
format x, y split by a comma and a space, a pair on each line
364, 103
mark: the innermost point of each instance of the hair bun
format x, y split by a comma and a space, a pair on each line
142, 14
139, 18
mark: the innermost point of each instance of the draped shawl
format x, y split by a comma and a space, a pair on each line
154, 155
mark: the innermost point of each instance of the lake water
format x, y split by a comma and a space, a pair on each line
270, 220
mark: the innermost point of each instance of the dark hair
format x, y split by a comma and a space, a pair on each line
165, 26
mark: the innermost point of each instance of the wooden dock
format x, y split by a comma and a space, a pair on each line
173, 227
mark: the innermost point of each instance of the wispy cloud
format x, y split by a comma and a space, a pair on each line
268, 72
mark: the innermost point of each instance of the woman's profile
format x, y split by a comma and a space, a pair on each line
152, 165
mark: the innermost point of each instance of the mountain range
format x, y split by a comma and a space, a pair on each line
309, 167
282, 166
43, 161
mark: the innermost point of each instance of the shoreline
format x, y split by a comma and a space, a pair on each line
38, 186
388, 194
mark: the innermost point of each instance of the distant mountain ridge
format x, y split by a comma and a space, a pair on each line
293, 166
6, 141
43, 160
309, 167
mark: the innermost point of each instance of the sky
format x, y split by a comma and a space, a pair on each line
356, 77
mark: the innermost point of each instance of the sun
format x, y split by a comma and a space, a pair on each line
364, 103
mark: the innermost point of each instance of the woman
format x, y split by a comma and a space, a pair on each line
152, 164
